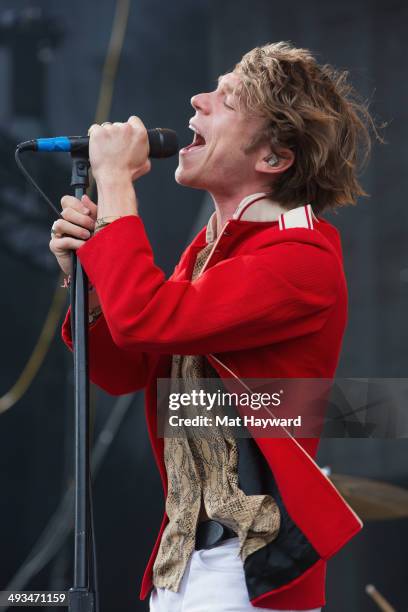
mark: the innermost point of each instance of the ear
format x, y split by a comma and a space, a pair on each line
274, 163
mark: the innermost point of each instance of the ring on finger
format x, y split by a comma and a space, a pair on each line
106, 123
54, 233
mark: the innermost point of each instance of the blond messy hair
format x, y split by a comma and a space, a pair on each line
314, 111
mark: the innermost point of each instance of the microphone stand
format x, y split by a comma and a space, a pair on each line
81, 597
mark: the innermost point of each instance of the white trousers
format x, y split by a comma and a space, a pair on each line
213, 581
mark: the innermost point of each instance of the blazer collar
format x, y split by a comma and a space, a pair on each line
257, 207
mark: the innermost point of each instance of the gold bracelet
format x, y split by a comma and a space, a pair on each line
101, 222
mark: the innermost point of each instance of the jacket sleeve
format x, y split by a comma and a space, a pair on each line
280, 292
116, 370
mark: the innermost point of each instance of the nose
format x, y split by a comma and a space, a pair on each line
201, 102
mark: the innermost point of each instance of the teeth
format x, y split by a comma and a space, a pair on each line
198, 139
194, 129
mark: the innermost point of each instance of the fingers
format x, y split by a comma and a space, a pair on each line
73, 229
136, 122
138, 125
84, 206
59, 246
93, 127
87, 203
76, 224
71, 219
133, 120
63, 227
120, 148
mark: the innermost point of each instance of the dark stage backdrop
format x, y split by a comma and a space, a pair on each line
171, 51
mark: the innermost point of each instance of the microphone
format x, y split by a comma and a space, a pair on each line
162, 143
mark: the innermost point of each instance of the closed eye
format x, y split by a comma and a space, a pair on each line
228, 106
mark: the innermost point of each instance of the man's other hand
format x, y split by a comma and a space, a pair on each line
73, 230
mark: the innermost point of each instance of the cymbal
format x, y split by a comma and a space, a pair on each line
372, 500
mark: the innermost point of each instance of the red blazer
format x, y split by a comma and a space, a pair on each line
271, 303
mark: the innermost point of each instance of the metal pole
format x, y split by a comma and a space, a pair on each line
81, 598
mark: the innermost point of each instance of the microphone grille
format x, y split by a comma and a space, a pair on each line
163, 142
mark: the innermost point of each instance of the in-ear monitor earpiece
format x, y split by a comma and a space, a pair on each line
272, 160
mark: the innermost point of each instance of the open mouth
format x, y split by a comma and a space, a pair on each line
197, 144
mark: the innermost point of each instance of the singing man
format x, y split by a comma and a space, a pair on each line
259, 293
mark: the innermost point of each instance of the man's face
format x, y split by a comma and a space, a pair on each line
216, 161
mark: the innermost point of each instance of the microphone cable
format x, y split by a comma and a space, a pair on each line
32, 182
